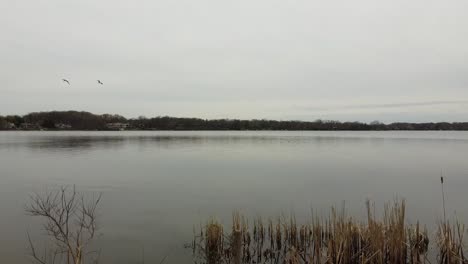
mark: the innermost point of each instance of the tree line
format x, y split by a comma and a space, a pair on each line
76, 120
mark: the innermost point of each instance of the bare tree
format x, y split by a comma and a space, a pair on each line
70, 221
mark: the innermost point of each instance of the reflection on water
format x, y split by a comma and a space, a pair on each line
156, 185
78, 141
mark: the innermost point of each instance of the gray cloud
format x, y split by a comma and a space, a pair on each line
385, 105
235, 59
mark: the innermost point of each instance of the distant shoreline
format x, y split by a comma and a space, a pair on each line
219, 130
85, 121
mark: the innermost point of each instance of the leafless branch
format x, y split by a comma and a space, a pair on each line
70, 220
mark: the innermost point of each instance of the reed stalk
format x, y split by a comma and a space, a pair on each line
338, 239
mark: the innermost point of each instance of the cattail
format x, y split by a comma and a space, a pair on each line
213, 242
443, 195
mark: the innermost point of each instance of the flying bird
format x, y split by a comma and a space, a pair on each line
65, 80
99, 81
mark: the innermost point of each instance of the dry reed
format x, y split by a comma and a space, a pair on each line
338, 239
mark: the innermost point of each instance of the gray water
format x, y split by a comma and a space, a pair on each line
157, 185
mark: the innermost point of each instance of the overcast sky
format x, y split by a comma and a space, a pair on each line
395, 60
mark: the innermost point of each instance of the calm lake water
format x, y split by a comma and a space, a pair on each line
157, 185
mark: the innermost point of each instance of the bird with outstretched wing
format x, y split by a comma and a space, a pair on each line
65, 80
99, 81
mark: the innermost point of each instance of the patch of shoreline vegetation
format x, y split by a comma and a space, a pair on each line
337, 239
75, 120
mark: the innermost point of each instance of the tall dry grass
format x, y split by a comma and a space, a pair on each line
337, 239
450, 243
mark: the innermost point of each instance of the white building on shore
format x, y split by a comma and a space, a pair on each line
117, 126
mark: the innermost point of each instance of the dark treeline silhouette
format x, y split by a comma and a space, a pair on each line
74, 120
